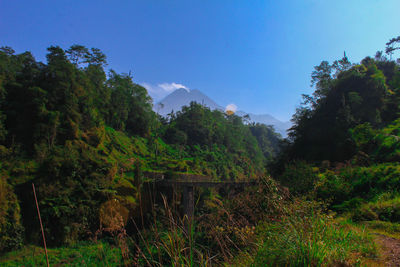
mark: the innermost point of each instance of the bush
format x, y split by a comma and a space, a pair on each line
348, 188
386, 210
11, 230
349, 205
364, 213
299, 177
333, 187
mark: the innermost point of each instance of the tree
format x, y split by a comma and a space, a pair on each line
341, 65
321, 78
96, 57
391, 46
355, 94
268, 140
130, 105
78, 54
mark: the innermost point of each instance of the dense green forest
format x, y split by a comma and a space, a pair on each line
350, 123
85, 136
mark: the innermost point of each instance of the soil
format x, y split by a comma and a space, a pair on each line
390, 249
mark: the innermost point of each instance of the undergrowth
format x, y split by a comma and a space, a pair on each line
308, 237
81, 254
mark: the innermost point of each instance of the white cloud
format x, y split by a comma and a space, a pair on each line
159, 91
170, 87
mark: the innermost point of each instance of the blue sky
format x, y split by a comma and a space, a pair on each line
255, 54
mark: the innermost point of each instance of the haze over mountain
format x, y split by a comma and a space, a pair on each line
182, 97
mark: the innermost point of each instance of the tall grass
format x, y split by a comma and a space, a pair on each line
307, 237
223, 228
170, 243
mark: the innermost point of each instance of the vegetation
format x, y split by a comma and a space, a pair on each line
90, 142
85, 137
82, 254
308, 237
343, 148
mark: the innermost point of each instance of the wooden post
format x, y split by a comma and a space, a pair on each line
41, 225
188, 203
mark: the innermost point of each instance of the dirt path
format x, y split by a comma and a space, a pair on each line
390, 249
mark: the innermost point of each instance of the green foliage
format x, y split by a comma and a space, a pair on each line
367, 93
52, 117
86, 139
130, 105
346, 134
61, 101
72, 186
308, 237
333, 187
383, 145
384, 210
267, 139
81, 254
223, 144
299, 177
376, 145
387, 227
11, 229
349, 187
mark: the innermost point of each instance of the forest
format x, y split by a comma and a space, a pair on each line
88, 139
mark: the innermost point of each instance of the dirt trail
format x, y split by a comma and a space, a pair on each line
390, 249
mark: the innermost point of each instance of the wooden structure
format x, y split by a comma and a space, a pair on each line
189, 181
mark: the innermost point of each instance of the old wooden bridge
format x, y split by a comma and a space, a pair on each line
190, 181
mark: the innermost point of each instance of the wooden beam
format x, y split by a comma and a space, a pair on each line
182, 183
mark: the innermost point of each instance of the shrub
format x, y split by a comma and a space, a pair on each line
349, 205
364, 213
385, 210
299, 177
11, 230
333, 187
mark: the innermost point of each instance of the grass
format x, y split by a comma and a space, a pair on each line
302, 233
378, 230
381, 227
82, 254
170, 245
308, 237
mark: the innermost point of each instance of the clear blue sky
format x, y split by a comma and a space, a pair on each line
255, 54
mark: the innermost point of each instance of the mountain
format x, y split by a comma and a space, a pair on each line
280, 126
182, 97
